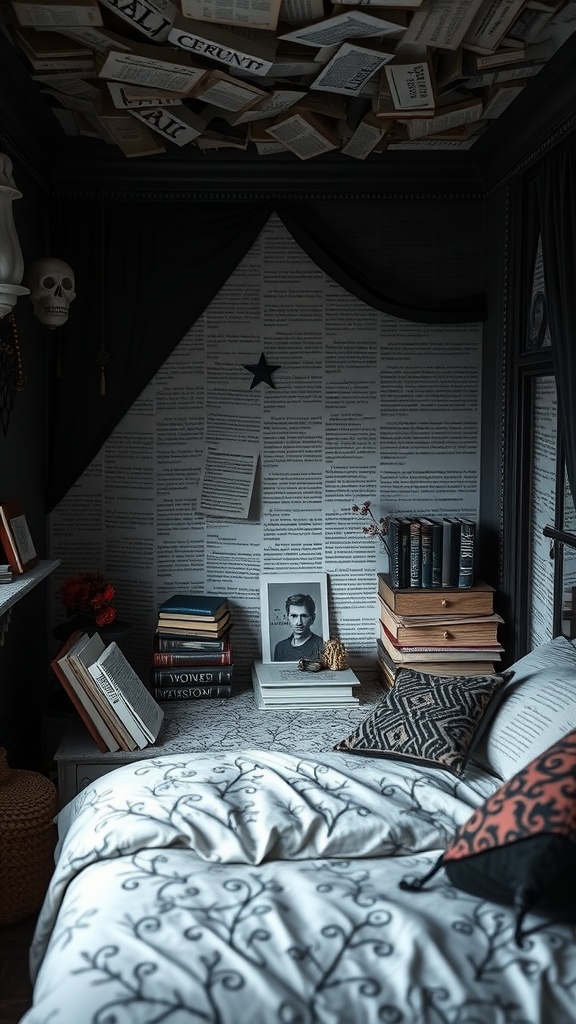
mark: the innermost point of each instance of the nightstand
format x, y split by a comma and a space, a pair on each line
227, 724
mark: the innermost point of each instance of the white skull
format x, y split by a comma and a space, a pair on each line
51, 284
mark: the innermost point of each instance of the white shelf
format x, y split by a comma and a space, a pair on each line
21, 584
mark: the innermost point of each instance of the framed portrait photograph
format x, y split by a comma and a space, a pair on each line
294, 611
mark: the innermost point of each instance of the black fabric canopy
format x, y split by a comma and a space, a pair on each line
146, 270
556, 184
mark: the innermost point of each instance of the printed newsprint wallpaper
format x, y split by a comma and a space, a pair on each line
364, 407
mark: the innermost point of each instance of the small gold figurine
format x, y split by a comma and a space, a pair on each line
334, 654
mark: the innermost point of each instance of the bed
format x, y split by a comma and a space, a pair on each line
265, 887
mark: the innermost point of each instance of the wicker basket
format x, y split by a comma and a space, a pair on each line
28, 804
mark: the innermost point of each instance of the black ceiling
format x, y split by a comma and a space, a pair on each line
30, 132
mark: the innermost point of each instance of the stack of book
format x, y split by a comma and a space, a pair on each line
431, 553
280, 685
5, 574
112, 701
446, 632
192, 656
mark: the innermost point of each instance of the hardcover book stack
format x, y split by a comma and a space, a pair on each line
192, 656
451, 631
431, 553
109, 696
280, 685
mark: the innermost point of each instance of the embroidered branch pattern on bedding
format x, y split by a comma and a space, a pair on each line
264, 887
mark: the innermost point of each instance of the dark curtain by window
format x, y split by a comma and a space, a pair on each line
145, 272
557, 201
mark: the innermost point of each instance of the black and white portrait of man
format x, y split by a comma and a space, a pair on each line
294, 618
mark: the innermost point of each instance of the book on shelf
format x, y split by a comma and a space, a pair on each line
134, 705
466, 552
211, 691
415, 553
178, 627
5, 573
15, 537
477, 599
422, 629
190, 659
191, 676
287, 674
202, 606
178, 643
425, 553
402, 653
264, 704
404, 551
447, 640
123, 702
450, 551
394, 550
206, 622
284, 685
437, 534
399, 549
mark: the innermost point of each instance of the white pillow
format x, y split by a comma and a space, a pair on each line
535, 708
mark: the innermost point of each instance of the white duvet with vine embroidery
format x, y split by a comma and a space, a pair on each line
254, 887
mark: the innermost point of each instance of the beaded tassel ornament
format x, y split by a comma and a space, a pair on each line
12, 377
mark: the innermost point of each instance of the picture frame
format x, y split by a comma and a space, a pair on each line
280, 634
16, 538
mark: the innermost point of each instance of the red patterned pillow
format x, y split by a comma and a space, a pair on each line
519, 847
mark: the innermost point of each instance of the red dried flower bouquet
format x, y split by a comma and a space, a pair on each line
89, 594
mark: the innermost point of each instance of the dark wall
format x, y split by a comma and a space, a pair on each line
23, 658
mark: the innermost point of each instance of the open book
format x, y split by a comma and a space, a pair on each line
112, 700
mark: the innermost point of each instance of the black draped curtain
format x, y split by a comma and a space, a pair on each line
144, 274
556, 185
146, 270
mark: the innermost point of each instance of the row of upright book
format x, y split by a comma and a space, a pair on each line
450, 632
431, 553
192, 655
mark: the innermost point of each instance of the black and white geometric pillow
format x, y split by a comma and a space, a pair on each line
429, 720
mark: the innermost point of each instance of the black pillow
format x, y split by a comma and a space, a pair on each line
519, 847
425, 719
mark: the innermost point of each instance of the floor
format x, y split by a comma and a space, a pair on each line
15, 989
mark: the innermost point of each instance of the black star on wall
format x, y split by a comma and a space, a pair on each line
262, 372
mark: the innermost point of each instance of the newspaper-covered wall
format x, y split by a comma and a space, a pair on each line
365, 407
